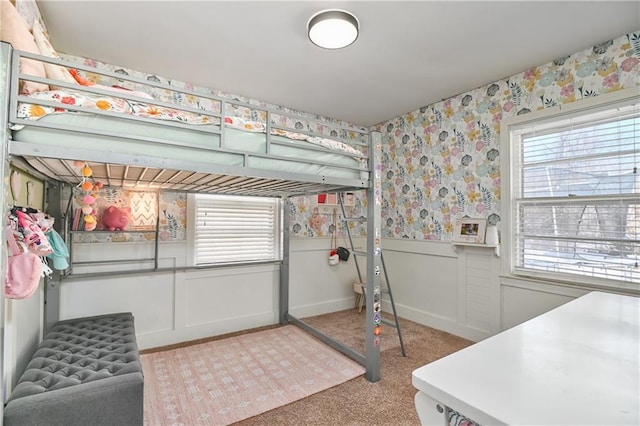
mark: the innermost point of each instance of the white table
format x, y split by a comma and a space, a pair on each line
575, 365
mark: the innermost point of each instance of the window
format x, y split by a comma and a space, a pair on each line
574, 193
233, 229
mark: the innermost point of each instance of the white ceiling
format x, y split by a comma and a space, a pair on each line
408, 54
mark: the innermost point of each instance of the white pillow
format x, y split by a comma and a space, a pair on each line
123, 91
15, 30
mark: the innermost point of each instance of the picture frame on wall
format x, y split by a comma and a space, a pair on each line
470, 230
331, 199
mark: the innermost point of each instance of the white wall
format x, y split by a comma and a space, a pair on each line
451, 288
23, 331
525, 299
172, 307
459, 289
455, 289
316, 287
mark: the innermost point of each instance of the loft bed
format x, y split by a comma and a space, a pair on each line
140, 137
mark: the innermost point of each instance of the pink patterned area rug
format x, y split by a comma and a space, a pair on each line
225, 381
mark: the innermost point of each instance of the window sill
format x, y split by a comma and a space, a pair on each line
572, 288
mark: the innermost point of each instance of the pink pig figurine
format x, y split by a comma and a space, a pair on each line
115, 219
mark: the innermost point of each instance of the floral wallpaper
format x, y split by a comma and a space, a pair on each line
143, 206
442, 162
309, 220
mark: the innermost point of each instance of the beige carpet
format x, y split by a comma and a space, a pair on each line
225, 381
359, 402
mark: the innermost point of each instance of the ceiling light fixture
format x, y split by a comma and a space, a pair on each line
333, 29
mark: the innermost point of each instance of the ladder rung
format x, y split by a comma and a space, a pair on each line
383, 290
354, 219
359, 253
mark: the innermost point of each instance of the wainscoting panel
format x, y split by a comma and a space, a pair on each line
150, 298
222, 295
478, 290
450, 288
316, 287
478, 295
524, 299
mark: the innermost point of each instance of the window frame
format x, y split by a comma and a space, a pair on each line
510, 177
191, 233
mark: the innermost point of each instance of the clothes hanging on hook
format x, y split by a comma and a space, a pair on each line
29, 226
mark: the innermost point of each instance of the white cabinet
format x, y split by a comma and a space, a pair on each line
478, 288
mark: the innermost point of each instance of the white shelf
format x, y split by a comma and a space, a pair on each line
495, 247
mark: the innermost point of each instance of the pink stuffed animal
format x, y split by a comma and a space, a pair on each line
114, 218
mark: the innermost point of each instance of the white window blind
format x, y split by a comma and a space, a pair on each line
575, 205
232, 229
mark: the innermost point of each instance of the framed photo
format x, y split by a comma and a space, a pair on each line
470, 230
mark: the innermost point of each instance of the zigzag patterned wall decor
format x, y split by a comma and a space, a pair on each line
143, 209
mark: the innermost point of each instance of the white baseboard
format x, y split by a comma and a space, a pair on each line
322, 308
448, 325
202, 331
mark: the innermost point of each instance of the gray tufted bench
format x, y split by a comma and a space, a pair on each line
86, 371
